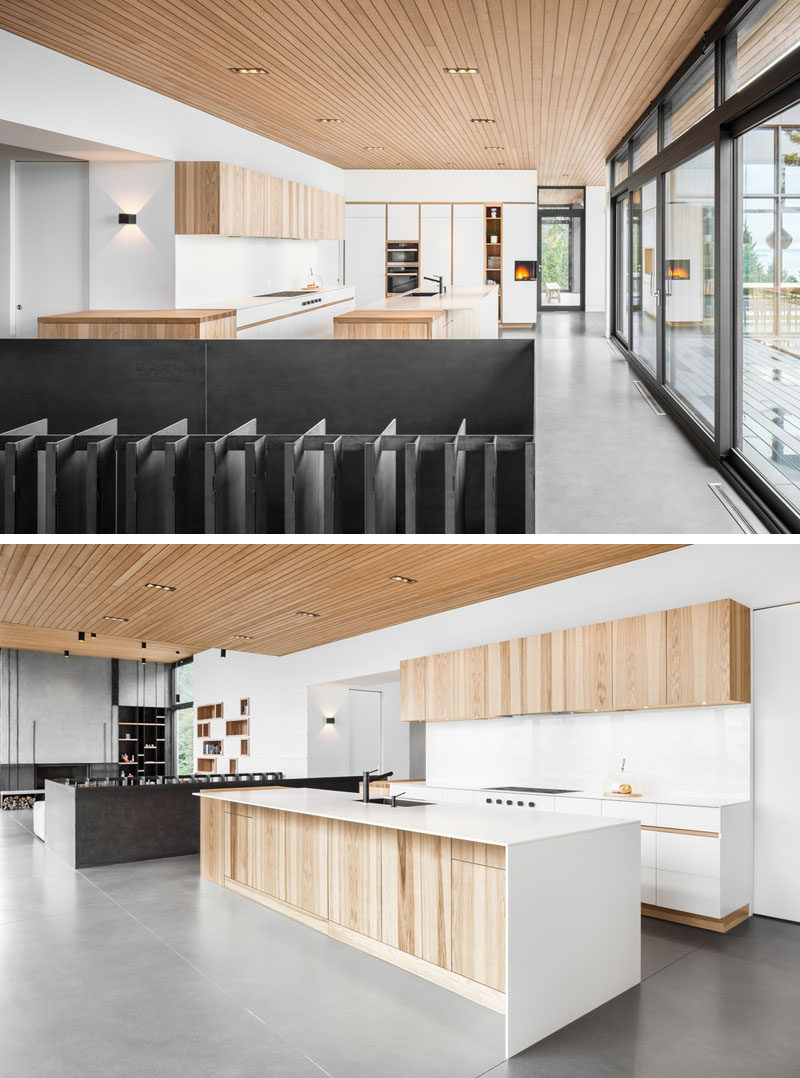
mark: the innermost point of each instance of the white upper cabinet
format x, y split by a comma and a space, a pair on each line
468, 244
365, 251
519, 242
402, 221
435, 242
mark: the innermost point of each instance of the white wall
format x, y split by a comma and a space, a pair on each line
596, 262
756, 574
131, 265
696, 752
440, 185
330, 747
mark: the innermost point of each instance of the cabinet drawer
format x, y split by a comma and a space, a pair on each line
458, 797
692, 894
691, 854
649, 885
630, 810
688, 817
579, 806
649, 849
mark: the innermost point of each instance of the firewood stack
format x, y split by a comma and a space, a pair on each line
18, 801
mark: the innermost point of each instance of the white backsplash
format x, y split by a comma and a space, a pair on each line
698, 752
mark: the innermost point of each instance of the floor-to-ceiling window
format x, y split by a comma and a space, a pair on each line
705, 196
768, 284
645, 295
561, 248
689, 284
184, 713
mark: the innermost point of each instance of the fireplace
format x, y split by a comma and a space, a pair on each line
678, 269
524, 270
59, 772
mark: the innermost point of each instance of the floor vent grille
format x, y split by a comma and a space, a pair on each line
732, 508
649, 399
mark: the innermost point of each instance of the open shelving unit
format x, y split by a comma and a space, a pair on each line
493, 252
221, 742
142, 737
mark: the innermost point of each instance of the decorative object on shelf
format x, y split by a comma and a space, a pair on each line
494, 237
244, 707
623, 783
314, 283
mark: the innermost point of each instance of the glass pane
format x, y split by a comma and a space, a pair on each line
556, 197
560, 265
768, 422
645, 142
759, 161
184, 683
622, 268
689, 284
691, 100
184, 720
790, 159
768, 33
620, 169
643, 297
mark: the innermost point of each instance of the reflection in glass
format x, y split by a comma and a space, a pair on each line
644, 294
645, 141
622, 268
768, 422
770, 31
691, 100
689, 284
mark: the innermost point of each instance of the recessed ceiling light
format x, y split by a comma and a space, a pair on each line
111, 617
161, 587
373, 147
81, 637
403, 579
248, 71
494, 147
242, 636
329, 120
461, 71
305, 614
481, 120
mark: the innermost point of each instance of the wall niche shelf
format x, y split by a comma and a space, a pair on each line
244, 707
237, 728
210, 711
493, 250
204, 729
206, 764
245, 746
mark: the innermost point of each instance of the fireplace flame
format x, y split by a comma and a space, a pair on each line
522, 274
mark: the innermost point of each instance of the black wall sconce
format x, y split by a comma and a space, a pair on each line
222, 653
330, 720
127, 218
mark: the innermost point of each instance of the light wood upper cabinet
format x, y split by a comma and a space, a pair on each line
543, 677
354, 877
469, 683
440, 687
416, 894
640, 661
708, 654
214, 198
413, 685
307, 863
588, 667
504, 677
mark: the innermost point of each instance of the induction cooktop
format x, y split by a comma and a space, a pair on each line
530, 790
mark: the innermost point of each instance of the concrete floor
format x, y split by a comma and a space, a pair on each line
605, 462
148, 969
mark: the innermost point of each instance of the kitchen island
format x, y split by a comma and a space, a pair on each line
199, 324
461, 312
535, 916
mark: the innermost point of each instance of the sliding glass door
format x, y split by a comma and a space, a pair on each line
622, 245
768, 286
645, 294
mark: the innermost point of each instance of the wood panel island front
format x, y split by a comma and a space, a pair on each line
533, 915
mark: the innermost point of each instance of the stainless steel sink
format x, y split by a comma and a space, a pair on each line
401, 802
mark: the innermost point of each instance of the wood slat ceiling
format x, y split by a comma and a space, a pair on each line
50, 592
563, 79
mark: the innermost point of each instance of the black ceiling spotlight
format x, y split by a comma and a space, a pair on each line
143, 661
127, 218
222, 653
66, 653
81, 637
144, 644
93, 636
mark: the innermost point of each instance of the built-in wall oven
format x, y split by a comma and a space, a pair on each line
402, 266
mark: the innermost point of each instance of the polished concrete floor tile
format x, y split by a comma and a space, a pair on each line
605, 463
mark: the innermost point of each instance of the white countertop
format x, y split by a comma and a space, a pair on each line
460, 298
596, 795
240, 303
445, 820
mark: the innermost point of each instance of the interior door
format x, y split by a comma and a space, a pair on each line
365, 730
52, 245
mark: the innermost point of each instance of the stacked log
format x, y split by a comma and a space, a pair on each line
18, 801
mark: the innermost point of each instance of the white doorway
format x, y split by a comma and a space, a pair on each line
365, 730
52, 241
